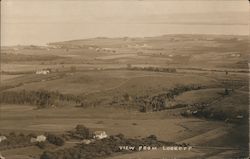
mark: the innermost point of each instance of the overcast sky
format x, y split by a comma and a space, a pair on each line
40, 22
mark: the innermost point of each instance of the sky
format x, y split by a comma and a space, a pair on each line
39, 22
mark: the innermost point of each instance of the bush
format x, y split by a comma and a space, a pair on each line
102, 148
40, 98
142, 109
32, 135
15, 140
120, 136
48, 155
41, 145
152, 137
56, 140
83, 132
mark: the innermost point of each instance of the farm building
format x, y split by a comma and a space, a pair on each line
2, 138
239, 116
43, 72
100, 135
86, 141
40, 138
1, 157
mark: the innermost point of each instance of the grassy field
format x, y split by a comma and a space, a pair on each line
105, 81
135, 125
113, 121
99, 70
199, 96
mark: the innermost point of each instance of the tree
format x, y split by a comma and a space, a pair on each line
142, 109
41, 145
126, 96
120, 136
152, 137
83, 132
226, 92
56, 140
47, 155
129, 66
73, 69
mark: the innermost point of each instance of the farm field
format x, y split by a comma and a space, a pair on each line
183, 89
97, 81
166, 127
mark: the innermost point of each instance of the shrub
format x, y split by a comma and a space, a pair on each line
102, 148
56, 140
40, 98
41, 145
48, 155
32, 135
83, 132
120, 136
152, 137
142, 109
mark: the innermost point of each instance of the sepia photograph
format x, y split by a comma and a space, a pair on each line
124, 79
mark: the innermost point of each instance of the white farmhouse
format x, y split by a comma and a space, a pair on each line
86, 141
40, 138
1, 157
2, 138
100, 135
43, 72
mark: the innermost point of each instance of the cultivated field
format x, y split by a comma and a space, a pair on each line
190, 89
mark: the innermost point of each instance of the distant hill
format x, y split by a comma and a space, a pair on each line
125, 41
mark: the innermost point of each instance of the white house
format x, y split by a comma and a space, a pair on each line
239, 116
86, 141
40, 138
43, 72
100, 135
2, 138
1, 157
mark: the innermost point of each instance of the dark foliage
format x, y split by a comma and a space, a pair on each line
159, 102
41, 98
81, 132
103, 148
15, 140
155, 69
54, 139
41, 145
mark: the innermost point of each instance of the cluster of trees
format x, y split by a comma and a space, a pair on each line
14, 140
41, 145
221, 115
154, 69
153, 103
41, 98
158, 102
81, 132
103, 148
54, 139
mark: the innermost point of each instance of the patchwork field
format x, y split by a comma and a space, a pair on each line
185, 89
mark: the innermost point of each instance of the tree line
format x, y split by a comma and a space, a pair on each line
40, 98
156, 102
154, 69
14, 140
103, 148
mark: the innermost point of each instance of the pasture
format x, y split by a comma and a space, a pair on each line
99, 71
